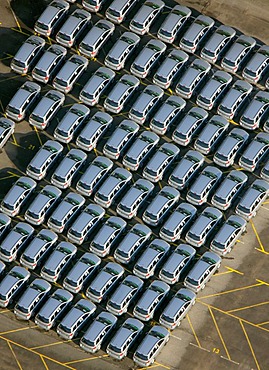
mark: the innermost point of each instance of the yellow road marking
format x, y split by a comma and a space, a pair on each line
46, 366
11, 349
10, 78
160, 185
38, 136
232, 290
250, 346
85, 359
14, 16
8, 57
267, 202
3, 311
37, 353
5, 178
262, 282
219, 333
233, 270
222, 273
50, 344
68, 146
165, 367
247, 307
193, 331
260, 250
2, 107
14, 140
257, 235
263, 323
16, 330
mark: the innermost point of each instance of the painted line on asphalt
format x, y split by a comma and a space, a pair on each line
219, 333
232, 290
250, 306
86, 359
193, 331
14, 355
250, 345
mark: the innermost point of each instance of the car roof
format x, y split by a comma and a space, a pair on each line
145, 11
227, 229
196, 27
228, 183
123, 289
75, 312
177, 302
120, 46
28, 47
191, 73
107, 230
150, 295
120, 133
201, 265
174, 58
147, 53
72, 21
123, 332
96, 32
256, 104
80, 267
220, 34
176, 14
9, 280
97, 326
31, 293
52, 303
168, 106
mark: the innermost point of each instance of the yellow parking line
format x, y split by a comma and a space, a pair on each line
37, 353
50, 344
193, 331
165, 367
11, 349
3, 311
231, 290
222, 273
16, 330
262, 282
6, 177
38, 136
219, 333
250, 346
2, 107
247, 307
267, 202
10, 78
257, 235
160, 185
85, 359
14, 140
263, 323
260, 250
45, 365
233, 122
233, 270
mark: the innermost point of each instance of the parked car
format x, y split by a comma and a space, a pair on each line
203, 226
229, 190
5, 224
7, 127
22, 101
122, 91
17, 195
145, 103
93, 5
49, 63
107, 236
211, 134
145, 16
12, 283
255, 152
151, 259
120, 300
42, 204
167, 114
78, 316
177, 263
94, 129
125, 337
81, 272
192, 79
160, 161
252, 199
31, 300
178, 222
196, 33
255, 111
85, 223
218, 43
73, 27
132, 243
140, 150
96, 38
265, 171
37, 250
134, 198
45, 157
238, 53
95, 173
189, 126
147, 58
118, 9
231, 146
58, 261
70, 73
228, 235
258, 64
122, 50
234, 99
106, 279
151, 300
151, 346
65, 212
27, 54
204, 185
177, 308
46, 109
51, 17
96, 85
120, 139
115, 183
53, 309
202, 271
213, 90
99, 329
161, 204
173, 23
170, 68
186, 169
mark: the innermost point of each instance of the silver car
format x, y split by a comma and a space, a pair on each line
7, 127
71, 122
255, 111
265, 171
255, 152
5, 224
46, 109
93, 5
13, 282
256, 67
173, 23
122, 50
118, 9
21, 102
94, 129
96, 85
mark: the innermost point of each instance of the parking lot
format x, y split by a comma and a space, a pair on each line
228, 328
